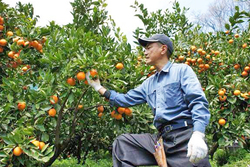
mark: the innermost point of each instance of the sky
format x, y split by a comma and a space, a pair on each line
120, 11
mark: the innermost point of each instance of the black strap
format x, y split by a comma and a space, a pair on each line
107, 94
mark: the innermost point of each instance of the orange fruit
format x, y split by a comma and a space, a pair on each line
247, 69
152, 68
1, 49
199, 50
52, 112
231, 41
41, 145
244, 73
236, 35
1, 27
17, 151
199, 60
71, 81
217, 52
118, 116
227, 31
128, 111
189, 59
222, 121
3, 42
236, 66
100, 108
1, 20
79, 106
244, 45
223, 98
24, 69
39, 47
237, 92
100, 114
245, 95
119, 66
53, 99
203, 53
20, 42
121, 110
221, 92
112, 114
208, 56
44, 39
206, 66
193, 48
21, 106
9, 33
181, 58
86, 82
93, 72
80, 76
35, 142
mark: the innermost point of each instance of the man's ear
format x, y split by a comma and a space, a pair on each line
164, 49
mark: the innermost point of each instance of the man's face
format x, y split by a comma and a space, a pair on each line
153, 53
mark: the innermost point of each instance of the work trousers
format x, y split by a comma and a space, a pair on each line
131, 150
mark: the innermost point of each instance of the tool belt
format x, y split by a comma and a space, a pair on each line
173, 125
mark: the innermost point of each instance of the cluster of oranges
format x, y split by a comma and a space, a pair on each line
81, 77
117, 114
17, 151
53, 100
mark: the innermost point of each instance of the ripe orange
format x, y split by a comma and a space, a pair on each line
86, 82
21, 106
100, 114
128, 111
112, 114
244, 45
39, 47
203, 53
52, 112
9, 33
193, 48
237, 92
236, 35
35, 142
193, 60
80, 76
44, 39
247, 69
221, 92
231, 41
53, 99
222, 121
71, 81
41, 145
199, 60
244, 73
121, 110
181, 58
208, 57
93, 72
20, 42
236, 66
119, 66
199, 50
1, 20
118, 116
245, 95
79, 106
24, 69
17, 151
1, 49
3, 42
206, 66
223, 98
100, 108
152, 68
1, 27
217, 52
227, 31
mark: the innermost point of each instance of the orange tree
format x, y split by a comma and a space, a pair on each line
47, 105
221, 61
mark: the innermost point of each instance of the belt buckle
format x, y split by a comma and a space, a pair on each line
168, 128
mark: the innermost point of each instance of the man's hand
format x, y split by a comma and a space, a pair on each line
94, 83
197, 148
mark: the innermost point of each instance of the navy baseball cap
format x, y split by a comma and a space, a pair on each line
161, 38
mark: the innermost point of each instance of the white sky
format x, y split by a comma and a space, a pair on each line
120, 11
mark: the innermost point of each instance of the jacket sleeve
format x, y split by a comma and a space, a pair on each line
195, 97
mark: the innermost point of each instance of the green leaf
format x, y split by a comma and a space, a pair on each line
232, 100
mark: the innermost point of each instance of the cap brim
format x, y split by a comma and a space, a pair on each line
144, 42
